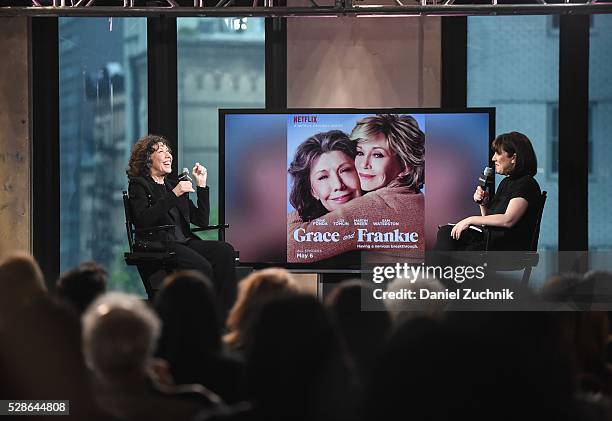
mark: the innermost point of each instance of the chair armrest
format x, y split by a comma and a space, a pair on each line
156, 228
487, 230
211, 227
144, 257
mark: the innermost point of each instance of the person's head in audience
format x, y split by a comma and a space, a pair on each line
21, 282
119, 337
190, 323
420, 352
586, 330
590, 291
514, 155
564, 292
293, 359
401, 309
252, 290
363, 322
81, 285
40, 342
190, 339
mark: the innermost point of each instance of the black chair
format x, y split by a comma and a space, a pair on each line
522, 260
153, 263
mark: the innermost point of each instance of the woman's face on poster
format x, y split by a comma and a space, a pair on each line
377, 165
334, 180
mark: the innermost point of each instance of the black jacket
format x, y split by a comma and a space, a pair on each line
150, 208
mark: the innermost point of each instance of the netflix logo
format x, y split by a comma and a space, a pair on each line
304, 119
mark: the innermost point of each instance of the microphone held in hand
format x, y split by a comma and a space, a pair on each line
184, 175
485, 181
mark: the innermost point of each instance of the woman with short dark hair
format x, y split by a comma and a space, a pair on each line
515, 206
515, 143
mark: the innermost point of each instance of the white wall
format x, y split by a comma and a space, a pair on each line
363, 62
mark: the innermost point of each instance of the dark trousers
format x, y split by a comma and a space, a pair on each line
448, 251
470, 240
216, 260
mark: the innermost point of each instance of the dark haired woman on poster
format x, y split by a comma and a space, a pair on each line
514, 206
390, 163
324, 175
155, 200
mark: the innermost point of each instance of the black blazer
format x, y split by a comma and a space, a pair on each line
150, 208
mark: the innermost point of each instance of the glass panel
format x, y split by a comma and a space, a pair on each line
103, 110
221, 64
513, 65
600, 132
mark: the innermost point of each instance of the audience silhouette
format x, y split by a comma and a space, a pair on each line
119, 337
363, 324
190, 339
81, 285
283, 355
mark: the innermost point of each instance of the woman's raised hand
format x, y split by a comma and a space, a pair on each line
183, 187
200, 174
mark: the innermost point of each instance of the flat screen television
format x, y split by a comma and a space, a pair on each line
320, 188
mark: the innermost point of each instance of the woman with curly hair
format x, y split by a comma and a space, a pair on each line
155, 200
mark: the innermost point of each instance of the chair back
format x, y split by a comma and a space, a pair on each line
129, 224
536, 231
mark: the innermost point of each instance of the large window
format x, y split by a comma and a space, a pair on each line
513, 65
221, 64
103, 110
600, 132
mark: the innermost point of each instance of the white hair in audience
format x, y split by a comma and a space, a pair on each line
403, 309
119, 334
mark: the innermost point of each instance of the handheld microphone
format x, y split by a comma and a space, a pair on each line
184, 176
485, 180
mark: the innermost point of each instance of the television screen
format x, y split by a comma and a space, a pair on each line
326, 188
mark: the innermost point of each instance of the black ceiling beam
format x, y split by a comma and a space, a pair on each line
331, 11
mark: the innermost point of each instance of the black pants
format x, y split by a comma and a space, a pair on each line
470, 240
448, 251
216, 260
